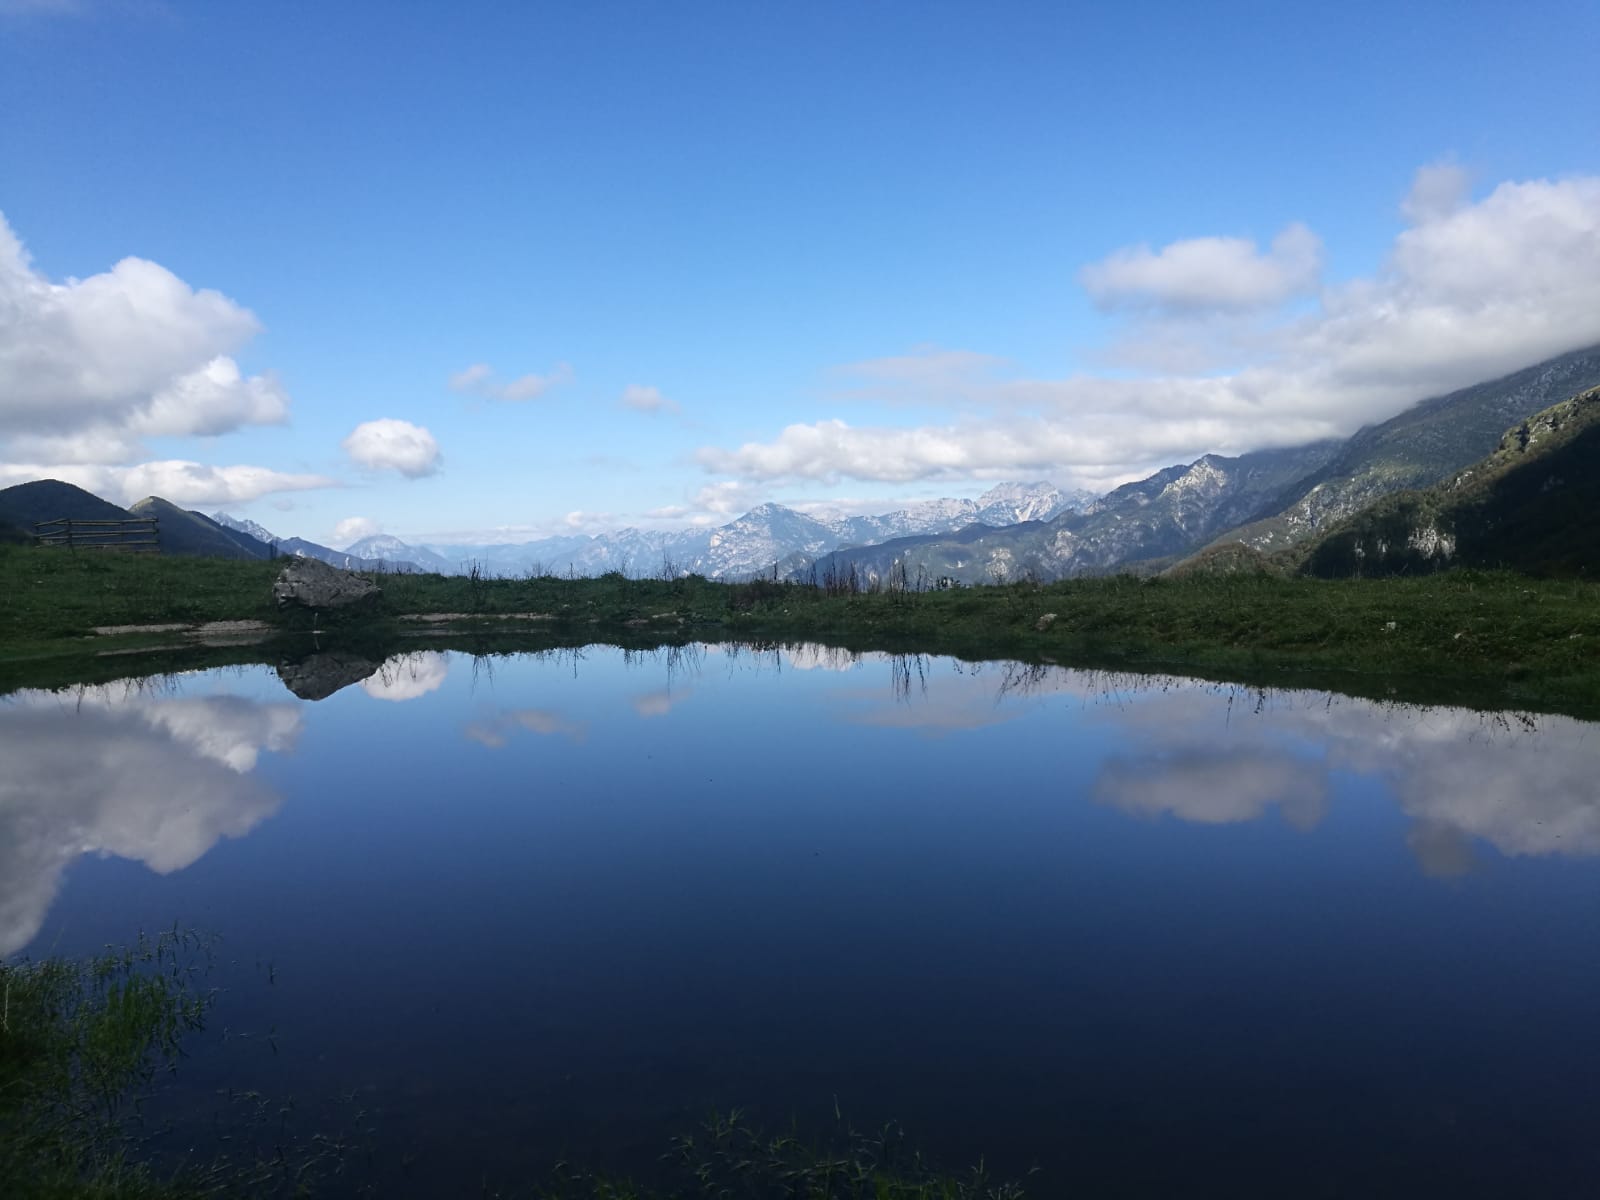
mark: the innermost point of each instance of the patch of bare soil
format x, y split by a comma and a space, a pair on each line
212, 633
444, 618
230, 633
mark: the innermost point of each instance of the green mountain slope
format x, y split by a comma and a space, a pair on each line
186, 532
1419, 447
1529, 507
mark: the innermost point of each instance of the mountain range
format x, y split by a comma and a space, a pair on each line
1268, 500
1265, 502
293, 546
751, 545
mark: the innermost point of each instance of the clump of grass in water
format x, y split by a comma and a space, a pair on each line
730, 1159
79, 1044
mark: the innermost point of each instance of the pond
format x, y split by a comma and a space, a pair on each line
1149, 935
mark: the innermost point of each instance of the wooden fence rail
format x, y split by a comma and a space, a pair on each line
140, 535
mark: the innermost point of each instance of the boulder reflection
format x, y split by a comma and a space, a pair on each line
319, 675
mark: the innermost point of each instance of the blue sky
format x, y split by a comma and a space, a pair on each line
679, 259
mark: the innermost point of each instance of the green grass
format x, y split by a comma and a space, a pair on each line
50, 594
1496, 638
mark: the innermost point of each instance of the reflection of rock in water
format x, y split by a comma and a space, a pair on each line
320, 675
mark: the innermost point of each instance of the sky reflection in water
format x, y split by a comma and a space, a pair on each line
1142, 931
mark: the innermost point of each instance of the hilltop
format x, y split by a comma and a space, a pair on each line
26, 504
181, 531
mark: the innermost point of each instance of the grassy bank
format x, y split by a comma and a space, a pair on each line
48, 596
1507, 639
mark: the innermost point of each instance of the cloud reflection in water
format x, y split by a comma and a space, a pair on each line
495, 731
1524, 785
1213, 753
403, 677
118, 771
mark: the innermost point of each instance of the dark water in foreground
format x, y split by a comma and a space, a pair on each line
1151, 935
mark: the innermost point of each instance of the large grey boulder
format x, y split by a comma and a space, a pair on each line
312, 583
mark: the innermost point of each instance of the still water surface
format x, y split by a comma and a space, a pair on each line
1150, 935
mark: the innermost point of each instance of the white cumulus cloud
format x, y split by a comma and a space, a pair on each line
1208, 272
353, 529
394, 445
91, 367
134, 350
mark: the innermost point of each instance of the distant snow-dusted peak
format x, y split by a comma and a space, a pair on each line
244, 525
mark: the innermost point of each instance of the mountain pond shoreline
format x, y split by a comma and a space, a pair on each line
1484, 639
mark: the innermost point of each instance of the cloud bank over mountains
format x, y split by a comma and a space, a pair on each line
1228, 347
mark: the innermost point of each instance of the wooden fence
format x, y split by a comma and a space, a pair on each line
140, 535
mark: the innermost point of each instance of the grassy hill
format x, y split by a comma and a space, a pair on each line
182, 532
26, 504
1528, 507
